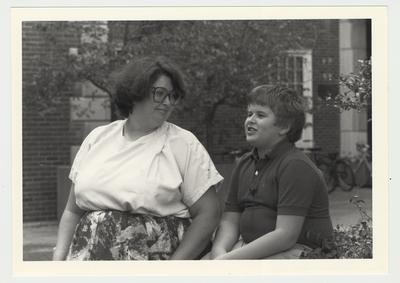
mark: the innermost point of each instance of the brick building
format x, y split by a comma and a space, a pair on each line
50, 141
46, 140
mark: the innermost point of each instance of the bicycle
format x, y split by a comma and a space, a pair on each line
362, 168
337, 171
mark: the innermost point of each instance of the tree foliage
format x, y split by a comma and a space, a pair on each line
222, 60
356, 89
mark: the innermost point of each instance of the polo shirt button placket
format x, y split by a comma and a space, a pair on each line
254, 185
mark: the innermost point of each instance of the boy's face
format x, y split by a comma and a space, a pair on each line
260, 128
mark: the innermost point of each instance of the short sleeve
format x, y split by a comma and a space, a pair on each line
198, 170
232, 202
81, 154
297, 183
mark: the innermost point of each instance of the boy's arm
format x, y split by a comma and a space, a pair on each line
285, 235
227, 234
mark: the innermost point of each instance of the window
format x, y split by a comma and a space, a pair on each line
295, 71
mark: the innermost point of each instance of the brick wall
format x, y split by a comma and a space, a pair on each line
325, 70
45, 138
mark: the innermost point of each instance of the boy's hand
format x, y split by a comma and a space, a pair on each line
217, 252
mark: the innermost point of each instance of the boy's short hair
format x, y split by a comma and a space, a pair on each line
133, 83
288, 106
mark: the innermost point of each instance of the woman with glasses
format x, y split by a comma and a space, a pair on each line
142, 188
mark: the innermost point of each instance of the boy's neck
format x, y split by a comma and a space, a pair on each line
263, 151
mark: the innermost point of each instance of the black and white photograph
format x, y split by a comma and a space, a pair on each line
207, 136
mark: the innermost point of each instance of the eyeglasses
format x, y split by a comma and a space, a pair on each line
160, 93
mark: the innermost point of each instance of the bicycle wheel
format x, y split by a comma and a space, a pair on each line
329, 179
345, 175
363, 176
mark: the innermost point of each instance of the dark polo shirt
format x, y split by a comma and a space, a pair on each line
285, 182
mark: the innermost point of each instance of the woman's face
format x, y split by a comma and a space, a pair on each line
151, 113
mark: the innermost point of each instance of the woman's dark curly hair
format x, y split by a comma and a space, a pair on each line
288, 106
133, 83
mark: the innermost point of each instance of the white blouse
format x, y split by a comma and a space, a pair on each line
162, 173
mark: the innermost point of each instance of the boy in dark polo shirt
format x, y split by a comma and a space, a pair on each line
277, 206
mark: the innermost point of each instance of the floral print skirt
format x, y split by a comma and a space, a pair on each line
117, 235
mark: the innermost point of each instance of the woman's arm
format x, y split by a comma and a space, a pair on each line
285, 235
227, 234
205, 214
67, 225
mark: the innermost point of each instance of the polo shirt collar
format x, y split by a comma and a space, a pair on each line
280, 148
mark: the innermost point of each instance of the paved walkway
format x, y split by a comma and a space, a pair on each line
40, 237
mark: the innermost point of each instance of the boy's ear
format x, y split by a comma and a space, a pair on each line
284, 130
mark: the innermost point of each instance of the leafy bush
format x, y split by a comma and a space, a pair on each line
354, 241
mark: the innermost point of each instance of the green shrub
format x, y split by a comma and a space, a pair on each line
353, 241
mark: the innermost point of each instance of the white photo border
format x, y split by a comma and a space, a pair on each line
378, 265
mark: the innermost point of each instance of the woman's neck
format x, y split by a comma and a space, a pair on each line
134, 130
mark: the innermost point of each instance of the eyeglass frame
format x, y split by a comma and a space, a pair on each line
169, 93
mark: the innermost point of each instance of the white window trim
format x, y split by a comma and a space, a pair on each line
307, 139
